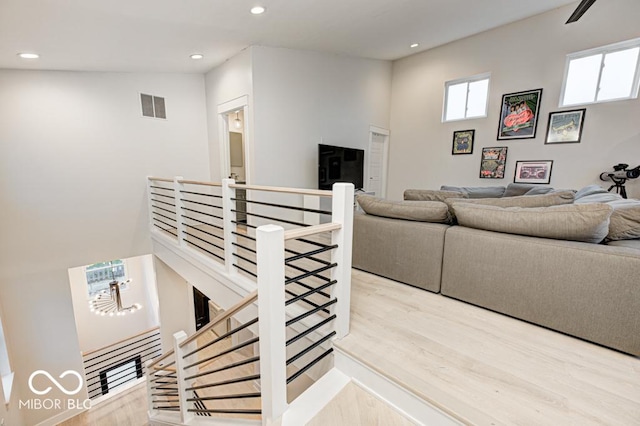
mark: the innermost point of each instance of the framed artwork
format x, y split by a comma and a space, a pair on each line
519, 115
463, 142
533, 171
492, 162
565, 126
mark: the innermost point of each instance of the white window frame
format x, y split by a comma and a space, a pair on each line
604, 50
468, 80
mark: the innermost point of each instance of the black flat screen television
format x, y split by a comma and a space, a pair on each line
339, 164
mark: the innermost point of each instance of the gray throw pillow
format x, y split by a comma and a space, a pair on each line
576, 222
516, 189
422, 211
477, 191
430, 195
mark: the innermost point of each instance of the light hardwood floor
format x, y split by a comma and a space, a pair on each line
126, 409
486, 368
355, 406
480, 367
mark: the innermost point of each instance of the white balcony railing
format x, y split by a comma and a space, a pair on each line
297, 258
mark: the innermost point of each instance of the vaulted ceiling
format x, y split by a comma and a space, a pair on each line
159, 35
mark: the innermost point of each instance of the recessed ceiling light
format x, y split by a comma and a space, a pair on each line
414, 45
257, 10
197, 56
29, 55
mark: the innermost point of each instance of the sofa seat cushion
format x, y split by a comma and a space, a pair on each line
576, 222
477, 191
431, 195
546, 200
634, 244
421, 211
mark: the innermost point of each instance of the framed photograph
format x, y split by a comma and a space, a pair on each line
463, 142
519, 115
533, 171
492, 162
565, 126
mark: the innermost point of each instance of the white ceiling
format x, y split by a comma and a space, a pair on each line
159, 35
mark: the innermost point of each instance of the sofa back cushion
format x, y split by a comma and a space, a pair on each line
546, 200
577, 222
422, 211
430, 195
625, 219
476, 191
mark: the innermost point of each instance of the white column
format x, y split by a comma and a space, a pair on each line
178, 338
228, 216
342, 213
177, 187
149, 376
271, 310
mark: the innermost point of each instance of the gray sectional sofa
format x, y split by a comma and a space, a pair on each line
584, 289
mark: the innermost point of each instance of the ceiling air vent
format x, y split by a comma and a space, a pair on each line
153, 106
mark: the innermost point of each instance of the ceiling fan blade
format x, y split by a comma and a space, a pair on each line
580, 10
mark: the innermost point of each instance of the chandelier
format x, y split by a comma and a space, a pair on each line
108, 302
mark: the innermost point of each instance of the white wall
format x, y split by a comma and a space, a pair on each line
229, 81
529, 54
303, 97
176, 304
96, 331
75, 155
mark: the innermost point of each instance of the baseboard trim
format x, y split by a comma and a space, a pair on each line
313, 400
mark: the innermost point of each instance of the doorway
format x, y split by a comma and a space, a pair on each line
235, 146
378, 161
200, 308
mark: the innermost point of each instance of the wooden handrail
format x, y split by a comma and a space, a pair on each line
249, 299
318, 192
199, 182
162, 357
159, 179
92, 351
310, 230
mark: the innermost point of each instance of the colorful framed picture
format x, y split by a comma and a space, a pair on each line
492, 162
463, 142
565, 126
519, 115
533, 171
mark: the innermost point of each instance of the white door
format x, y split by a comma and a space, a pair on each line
377, 169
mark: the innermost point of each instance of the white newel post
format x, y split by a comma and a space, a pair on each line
342, 213
177, 187
152, 412
178, 338
271, 311
227, 219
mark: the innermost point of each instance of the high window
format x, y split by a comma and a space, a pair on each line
99, 275
604, 74
466, 98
